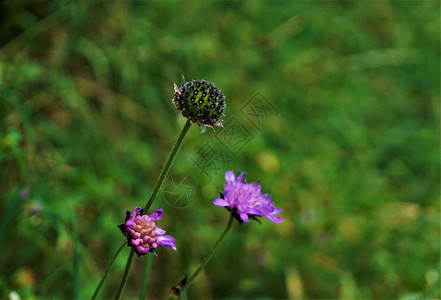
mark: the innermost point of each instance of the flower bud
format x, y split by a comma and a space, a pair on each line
142, 233
201, 102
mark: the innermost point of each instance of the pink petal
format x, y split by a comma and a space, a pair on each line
220, 202
229, 176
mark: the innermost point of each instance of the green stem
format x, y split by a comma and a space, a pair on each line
167, 165
208, 257
122, 285
109, 266
155, 191
146, 277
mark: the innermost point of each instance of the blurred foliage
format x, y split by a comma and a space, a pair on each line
352, 158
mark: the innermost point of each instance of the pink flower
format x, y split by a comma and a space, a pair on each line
142, 233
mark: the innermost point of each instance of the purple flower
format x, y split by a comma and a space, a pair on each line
245, 200
142, 233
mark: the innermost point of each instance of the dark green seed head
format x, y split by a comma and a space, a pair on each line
201, 102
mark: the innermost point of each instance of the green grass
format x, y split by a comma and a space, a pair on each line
352, 157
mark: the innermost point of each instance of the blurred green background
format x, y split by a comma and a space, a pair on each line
352, 157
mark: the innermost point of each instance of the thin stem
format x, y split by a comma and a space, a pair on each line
184, 296
109, 266
167, 165
122, 285
146, 277
208, 257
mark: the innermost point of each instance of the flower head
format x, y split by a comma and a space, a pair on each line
201, 102
245, 200
142, 233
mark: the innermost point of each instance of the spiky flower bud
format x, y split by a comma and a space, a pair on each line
201, 102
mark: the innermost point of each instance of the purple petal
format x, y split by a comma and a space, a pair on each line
229, 176
276, 211
159, 231
136, 211
166, 240
157, 214
274, 219
130, 223
220, 202
244, 217
240, 177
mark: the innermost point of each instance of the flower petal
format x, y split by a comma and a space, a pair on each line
166, 240
240, 177
244, 217
136, 212
275, 219
159, 231
220, 202
130, 223
276, 211
157, 214
229, 176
